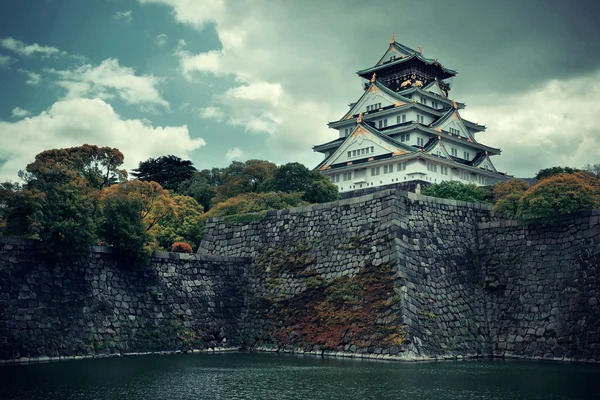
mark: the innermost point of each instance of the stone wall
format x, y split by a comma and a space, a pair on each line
542, 287
97, 306
464, 283
389, 274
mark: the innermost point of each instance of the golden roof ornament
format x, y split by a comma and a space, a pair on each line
454, 104
420, 49
393, 39
373, 77
359, 119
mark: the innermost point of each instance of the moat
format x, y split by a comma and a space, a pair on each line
269, 376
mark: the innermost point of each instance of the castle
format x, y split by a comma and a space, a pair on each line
405, 128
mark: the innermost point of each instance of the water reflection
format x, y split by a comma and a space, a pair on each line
267, 376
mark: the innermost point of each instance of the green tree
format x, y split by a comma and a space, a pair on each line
64, 218
560, 194
122, 227
244, 177
169, 171
295, 177
457, 191
548, 172
507, 195
198, 187
17, 206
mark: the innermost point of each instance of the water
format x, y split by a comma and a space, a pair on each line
268, 376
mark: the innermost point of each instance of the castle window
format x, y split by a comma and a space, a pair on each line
420, 142
444, 170
454, 131
349, 154
424, 100
362, 151
401, 166
420, 119
372, 149
374, 107
467, 156
431, 167
454, 152
434, 104
383, 123
375, 171
347, 176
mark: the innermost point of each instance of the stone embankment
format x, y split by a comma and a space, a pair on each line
387, 275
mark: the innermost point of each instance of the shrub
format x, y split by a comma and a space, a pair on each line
507, 195
457, 191
256, 202
560, 194
181, 247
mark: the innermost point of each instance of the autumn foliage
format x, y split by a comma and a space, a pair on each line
560, 194
181, 247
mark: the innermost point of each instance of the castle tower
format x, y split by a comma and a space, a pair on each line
405, 128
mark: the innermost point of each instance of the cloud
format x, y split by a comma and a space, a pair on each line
32, 77
212, 113
109, 80
209, 62
193, 12
257, 91
124, 15
23, 49
18, 112
67, 122
544, 127
161, 39
234, 153
5, 61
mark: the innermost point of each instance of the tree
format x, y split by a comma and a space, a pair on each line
185, 224
169, 171
295, 177
122, 227
17, 206
507, 195
198, 187
548, 172
63, 185
457, 191
256, 202
244, 177
560, 194
130, 211
593, 169
98, 166
153, 202
64, 218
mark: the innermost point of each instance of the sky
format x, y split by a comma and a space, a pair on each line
220, 80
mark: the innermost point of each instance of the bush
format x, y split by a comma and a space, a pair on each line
457, 191
560, 194
256, 202
181, 247
507, 195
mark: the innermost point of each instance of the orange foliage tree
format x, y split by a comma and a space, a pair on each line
507, 195
560, 194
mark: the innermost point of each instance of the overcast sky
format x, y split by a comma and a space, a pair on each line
218, 80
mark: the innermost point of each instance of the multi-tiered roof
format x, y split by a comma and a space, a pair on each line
405, 114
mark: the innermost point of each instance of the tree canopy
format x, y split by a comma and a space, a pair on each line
548, 172
560, 194
169, 171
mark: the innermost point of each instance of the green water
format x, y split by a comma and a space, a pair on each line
268, 376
